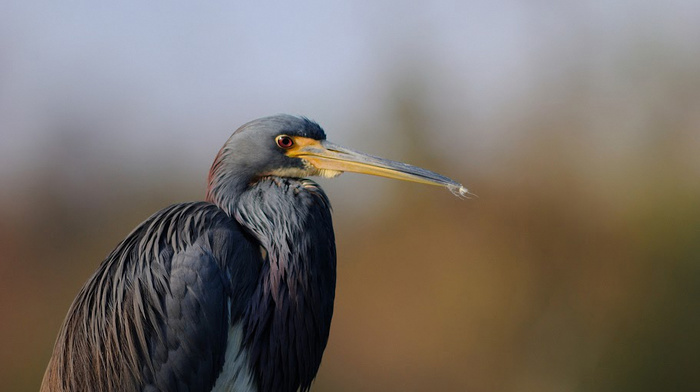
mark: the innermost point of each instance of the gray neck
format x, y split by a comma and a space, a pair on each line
290, 313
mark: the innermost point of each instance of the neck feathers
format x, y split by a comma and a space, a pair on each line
288, 320
223, 184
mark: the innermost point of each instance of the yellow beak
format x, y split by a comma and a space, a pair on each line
325, 155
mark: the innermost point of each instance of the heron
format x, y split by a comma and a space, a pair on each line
234, 293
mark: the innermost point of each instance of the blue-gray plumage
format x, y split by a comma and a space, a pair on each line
232, 294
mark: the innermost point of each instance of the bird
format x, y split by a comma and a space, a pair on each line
233, 293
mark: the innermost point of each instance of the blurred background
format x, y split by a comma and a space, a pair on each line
576, 123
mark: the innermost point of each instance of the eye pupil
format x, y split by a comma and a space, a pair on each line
285, 141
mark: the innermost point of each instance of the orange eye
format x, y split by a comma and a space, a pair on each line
285, 141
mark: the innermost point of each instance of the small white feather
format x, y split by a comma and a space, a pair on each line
460, 191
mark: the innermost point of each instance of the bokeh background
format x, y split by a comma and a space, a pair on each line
576, 123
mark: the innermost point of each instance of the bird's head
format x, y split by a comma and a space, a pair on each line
289, 146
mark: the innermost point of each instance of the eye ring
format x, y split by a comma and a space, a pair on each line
284, 141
